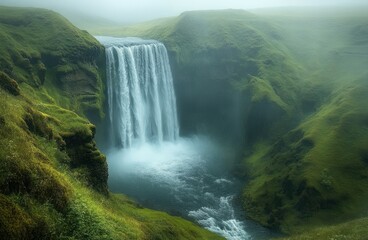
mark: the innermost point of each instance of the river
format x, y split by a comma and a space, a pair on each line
190, 178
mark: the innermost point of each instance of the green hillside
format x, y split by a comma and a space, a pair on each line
53, 181
293, 85
59, 51
318, 173
287, 87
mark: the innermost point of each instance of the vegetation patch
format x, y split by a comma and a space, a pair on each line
9, 84
315, 174
352, 230
46, 55
53, 179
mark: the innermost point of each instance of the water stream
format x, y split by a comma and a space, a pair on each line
190, 178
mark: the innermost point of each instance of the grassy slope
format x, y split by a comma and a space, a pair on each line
351, 230
58, 51
243, 41
43, 197
53, 179
319, 171
316, 173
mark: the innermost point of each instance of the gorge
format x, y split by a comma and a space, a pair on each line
147, 160
230, 124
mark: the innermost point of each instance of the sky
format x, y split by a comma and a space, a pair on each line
142, 10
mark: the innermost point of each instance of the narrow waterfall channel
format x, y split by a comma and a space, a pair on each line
148, 161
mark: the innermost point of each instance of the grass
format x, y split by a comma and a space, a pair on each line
9, 84
43, 192
318, 173
43, 197
56, 54
53, 179
294, 85
351, 230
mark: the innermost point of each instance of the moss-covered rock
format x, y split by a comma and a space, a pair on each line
14, 222
37, 123
9, 84
58, 55
84, 155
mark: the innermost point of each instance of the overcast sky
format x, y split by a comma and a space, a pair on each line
140, 10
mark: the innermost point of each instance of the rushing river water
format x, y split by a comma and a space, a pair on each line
190, 178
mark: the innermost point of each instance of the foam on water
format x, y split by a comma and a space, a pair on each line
221, 219
188, 177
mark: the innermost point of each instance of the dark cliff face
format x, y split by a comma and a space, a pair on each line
226, 74
206, 98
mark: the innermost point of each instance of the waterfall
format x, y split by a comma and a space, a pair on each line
141, 97
191, 176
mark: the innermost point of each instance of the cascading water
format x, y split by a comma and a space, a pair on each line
141, 96
147, 159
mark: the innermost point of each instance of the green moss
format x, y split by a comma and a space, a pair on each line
9, 84
262, 91
37, 123
14, 222
317, 171
51, 56
65, 69
352, 230
318, 174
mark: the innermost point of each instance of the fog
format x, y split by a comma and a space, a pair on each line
141, 10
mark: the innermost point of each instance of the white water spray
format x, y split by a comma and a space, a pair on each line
141, 98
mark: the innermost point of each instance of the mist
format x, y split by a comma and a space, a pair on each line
142, 10
184, 119
190, 178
